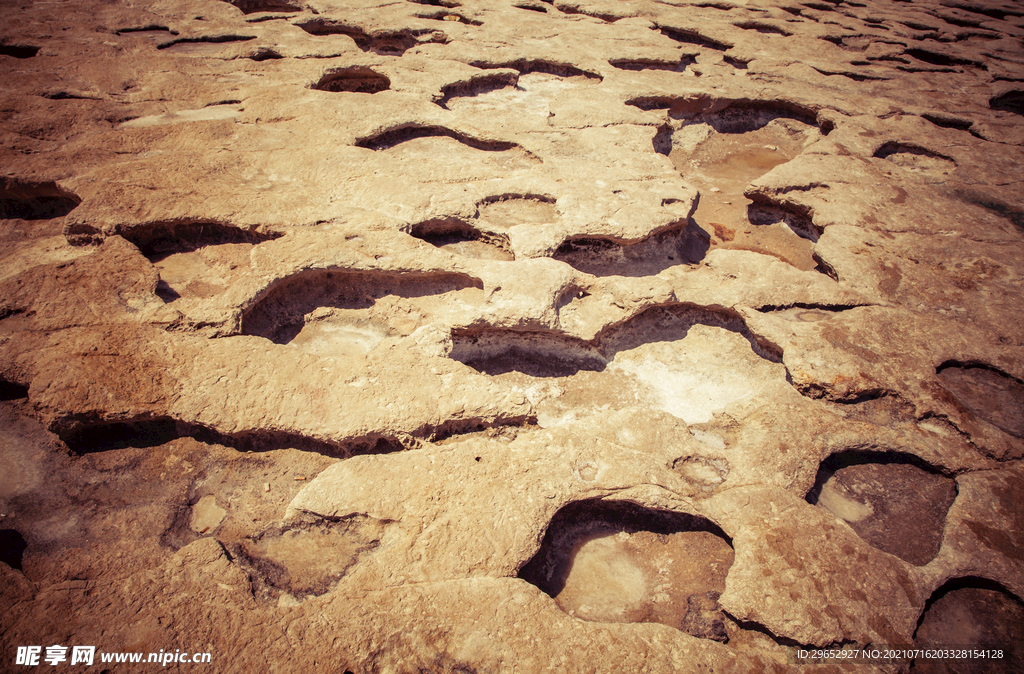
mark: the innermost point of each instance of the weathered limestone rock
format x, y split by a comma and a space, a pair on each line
423, 335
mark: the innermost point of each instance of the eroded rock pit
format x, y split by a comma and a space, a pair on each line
896, 503
484, 336
616, 562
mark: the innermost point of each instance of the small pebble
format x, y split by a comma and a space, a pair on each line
771, 147
266, 486
715, 189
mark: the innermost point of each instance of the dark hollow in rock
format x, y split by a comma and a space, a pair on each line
653, 64
686, 36
614, 561
742, 116
765, 28
12, 548
972, 613
671, 323
533, 8
36, 208
937, 59
400, 134
358, 79
12, 391
385, 43
989, 393
891, 148
459, 237
1011, 213
212, 39
158, 240
450, 16
475, 85
960, 21
994, 12
526, 66
253, 6
651, 102
438, 3
265, 54
18, 51
856, 77
495, 351
165, 292
895, 502
102, 436
763, 213
1011, 101
34, 201
880, 408
152, 30
916, 25
916, 158
268, 17
607, 17
662, 141
684, 243
279, 314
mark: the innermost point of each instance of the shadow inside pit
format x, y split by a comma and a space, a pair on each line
536, 364
18, 51
582, 521
36, 208
460, 237
614, 561
895, 502
281, 313
974, 613
160, 240
147, 433
1012, 214
165, 292
356, 79
254, 6
988, 392
12, 548
498, 351
1011, 101
682, 244
104, 437
12, 391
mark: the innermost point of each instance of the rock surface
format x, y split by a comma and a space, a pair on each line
424, 335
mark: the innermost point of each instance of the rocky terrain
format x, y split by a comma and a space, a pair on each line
512, 335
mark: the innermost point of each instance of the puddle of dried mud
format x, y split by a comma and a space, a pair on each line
722, 165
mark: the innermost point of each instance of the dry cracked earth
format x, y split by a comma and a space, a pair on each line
512, 335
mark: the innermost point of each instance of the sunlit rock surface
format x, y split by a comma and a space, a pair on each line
436, 336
